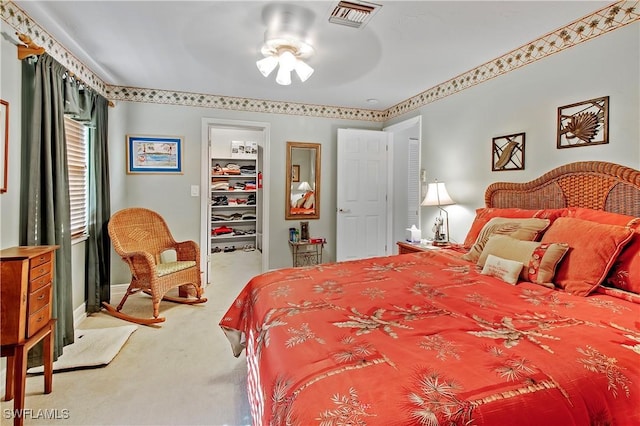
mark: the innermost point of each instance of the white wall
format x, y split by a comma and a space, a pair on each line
458, 130
10, 78
170, 195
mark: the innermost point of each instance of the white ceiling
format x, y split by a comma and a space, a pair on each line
211, 47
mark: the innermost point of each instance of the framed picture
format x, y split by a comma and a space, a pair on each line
583, 123
295, 173
4, 144
154, 154
507, 152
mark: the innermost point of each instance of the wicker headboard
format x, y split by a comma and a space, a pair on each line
591, 184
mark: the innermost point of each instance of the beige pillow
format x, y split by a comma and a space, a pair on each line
521, 229
540, 260
504, 269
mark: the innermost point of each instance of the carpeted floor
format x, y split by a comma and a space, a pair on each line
179, 373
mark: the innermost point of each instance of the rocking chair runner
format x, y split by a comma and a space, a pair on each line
140, 236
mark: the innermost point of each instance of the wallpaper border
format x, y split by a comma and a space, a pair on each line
598, 23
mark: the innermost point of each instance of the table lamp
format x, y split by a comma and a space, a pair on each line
438, 196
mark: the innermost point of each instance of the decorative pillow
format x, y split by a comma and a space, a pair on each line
600, 216
540, 260
504, 269
521, 229
625, 273
485, 214
593, 249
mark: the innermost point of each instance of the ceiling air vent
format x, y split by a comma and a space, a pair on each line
353, 14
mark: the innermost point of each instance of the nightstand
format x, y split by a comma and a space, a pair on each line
405, 247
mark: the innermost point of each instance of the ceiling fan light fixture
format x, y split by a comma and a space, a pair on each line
287, 60
287, 54
283, 77
303, 70
267, 65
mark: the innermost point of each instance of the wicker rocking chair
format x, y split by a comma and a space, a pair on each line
140, 236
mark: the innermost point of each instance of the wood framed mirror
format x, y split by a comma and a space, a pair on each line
302, 183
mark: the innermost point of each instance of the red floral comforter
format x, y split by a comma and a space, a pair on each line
424, 339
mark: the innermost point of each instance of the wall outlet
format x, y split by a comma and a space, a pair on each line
195, 190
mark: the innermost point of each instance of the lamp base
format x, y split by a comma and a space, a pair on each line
439, 243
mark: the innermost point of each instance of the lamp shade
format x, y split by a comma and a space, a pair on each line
283, 77
437, 195
267, 65
303, 70
304, 186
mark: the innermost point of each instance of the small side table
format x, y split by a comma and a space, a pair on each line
405, 247
306, 253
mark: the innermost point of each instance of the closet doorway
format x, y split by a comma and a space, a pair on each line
244, 199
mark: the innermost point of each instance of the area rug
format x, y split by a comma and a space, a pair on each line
91, 348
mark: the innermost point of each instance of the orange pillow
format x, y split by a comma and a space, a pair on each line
599, 216
625, 273
594, 248
483, 215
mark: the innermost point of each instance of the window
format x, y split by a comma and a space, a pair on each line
76, 134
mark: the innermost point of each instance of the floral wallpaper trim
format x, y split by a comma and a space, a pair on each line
173, 97
600, 22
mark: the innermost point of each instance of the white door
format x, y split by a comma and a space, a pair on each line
361, 228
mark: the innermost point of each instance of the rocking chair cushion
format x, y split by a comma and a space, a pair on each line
171, 267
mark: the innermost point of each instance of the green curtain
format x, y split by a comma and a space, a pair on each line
98, 275
44, 186
48, 93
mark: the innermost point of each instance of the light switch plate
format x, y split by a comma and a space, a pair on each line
195, 190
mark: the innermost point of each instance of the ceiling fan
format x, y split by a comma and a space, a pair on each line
286, 44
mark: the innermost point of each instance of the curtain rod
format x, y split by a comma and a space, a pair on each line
30, 48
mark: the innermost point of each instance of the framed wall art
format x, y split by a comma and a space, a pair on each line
295, 173
583, 123
507, 152
154, 154
4, 144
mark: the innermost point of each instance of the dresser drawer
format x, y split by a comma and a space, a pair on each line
38, 320
40, 276
39, 298
41, 258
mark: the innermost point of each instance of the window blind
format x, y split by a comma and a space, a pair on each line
76, 138
413, 184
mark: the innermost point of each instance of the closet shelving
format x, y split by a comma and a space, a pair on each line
234, 220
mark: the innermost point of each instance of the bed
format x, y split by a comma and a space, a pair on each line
441, 337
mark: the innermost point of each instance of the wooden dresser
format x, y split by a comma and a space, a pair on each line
26, 288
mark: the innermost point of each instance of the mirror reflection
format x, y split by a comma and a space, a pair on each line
303, 181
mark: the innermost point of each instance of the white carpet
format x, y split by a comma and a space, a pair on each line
91, 348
